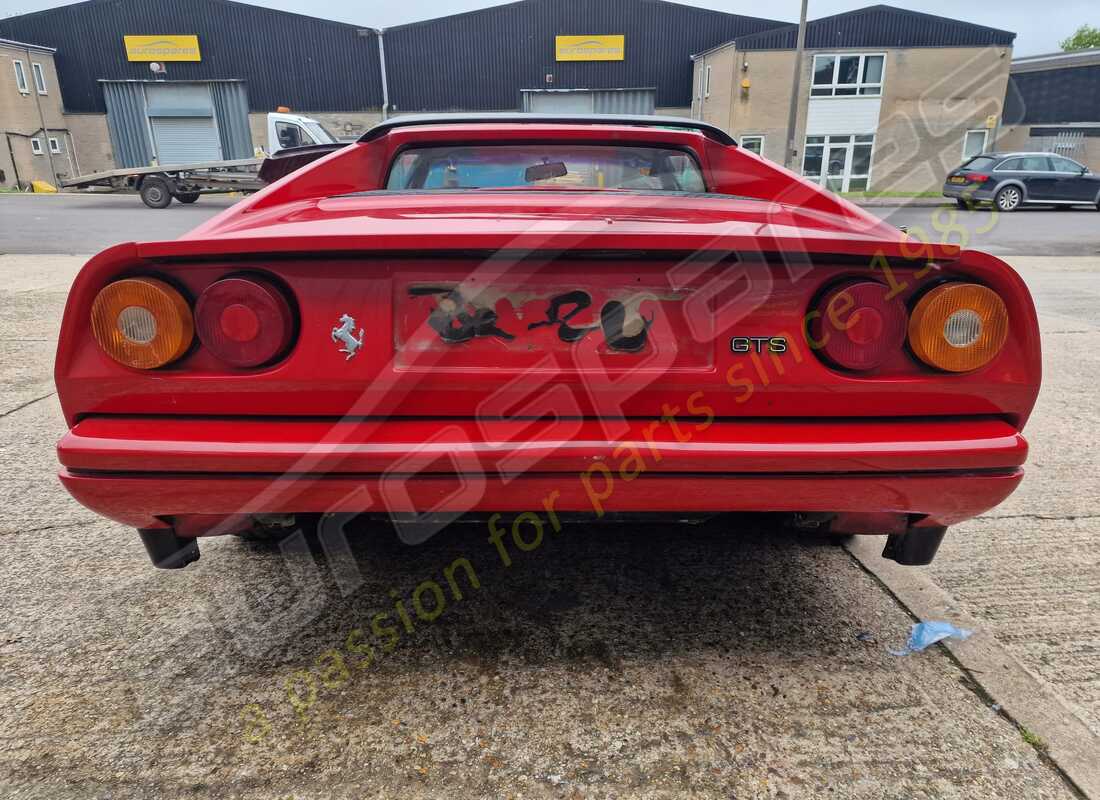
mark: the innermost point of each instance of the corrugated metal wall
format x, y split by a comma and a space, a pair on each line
627, 101
479, 60
128, 112
128, 124
287, 59
881, 26
231, 110
482, 59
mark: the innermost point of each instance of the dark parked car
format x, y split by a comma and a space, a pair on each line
1011, 180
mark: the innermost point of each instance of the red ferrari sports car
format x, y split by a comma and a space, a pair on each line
469, 315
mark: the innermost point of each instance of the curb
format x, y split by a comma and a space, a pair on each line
1025, 700
902, 202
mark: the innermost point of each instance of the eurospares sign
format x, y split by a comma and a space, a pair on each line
162, 48
590, 48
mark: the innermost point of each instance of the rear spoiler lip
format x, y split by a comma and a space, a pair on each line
290, 159
517, 118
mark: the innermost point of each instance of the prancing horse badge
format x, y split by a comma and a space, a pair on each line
345, 333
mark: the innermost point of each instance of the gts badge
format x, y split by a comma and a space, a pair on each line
758, 344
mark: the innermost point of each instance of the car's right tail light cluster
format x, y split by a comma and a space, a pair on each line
244, 321
958, 327
953, 327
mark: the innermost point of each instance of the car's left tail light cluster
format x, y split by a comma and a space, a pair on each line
956, 326
242, 320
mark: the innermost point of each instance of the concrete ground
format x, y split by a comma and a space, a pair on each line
654, 662
1030, 568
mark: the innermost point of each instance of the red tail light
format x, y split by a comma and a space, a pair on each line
976, 177
244, 322
857, 327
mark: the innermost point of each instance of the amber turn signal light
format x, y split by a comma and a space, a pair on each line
142, 322
958, 327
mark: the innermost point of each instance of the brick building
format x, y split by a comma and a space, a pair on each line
888, 99
36, 142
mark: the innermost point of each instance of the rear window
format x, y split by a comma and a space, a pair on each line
546, 166
981, 162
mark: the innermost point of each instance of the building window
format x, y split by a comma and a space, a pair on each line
839, 163
706, 82
20, 77
847, 75
754, 144
39, 78
36, 146
974, 143
55, 146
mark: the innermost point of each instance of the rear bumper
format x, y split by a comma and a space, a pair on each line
143, 471
968, 191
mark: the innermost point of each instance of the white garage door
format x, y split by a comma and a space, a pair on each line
185, 140
182, 118
588, 101
560, 102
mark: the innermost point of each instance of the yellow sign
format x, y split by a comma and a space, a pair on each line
162, 48
590, 48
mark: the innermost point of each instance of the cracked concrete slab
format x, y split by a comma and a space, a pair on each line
32, 299
1030, 569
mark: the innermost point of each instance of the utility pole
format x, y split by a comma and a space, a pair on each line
792, 117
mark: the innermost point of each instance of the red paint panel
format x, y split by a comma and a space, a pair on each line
689, 445
494, 378
138, 501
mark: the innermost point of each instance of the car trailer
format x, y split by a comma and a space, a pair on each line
185, 182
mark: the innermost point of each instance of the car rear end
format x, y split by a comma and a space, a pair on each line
973, 181
430, 355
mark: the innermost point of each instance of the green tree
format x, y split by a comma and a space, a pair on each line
1086, 37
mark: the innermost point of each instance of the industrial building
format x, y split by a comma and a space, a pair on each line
1053, 105
887, 99
32, 121
221, 66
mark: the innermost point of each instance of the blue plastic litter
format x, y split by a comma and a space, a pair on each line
926, 634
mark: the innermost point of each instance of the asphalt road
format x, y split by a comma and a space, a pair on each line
1028, 232
660, 661
87, 223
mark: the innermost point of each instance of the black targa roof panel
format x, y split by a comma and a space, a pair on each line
517, 118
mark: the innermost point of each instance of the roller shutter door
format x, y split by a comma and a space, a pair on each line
587, 101
185, 140
181, 116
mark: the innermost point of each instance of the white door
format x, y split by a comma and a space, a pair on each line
974, 143
839, 163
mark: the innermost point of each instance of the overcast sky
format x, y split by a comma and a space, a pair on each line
1039, 25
